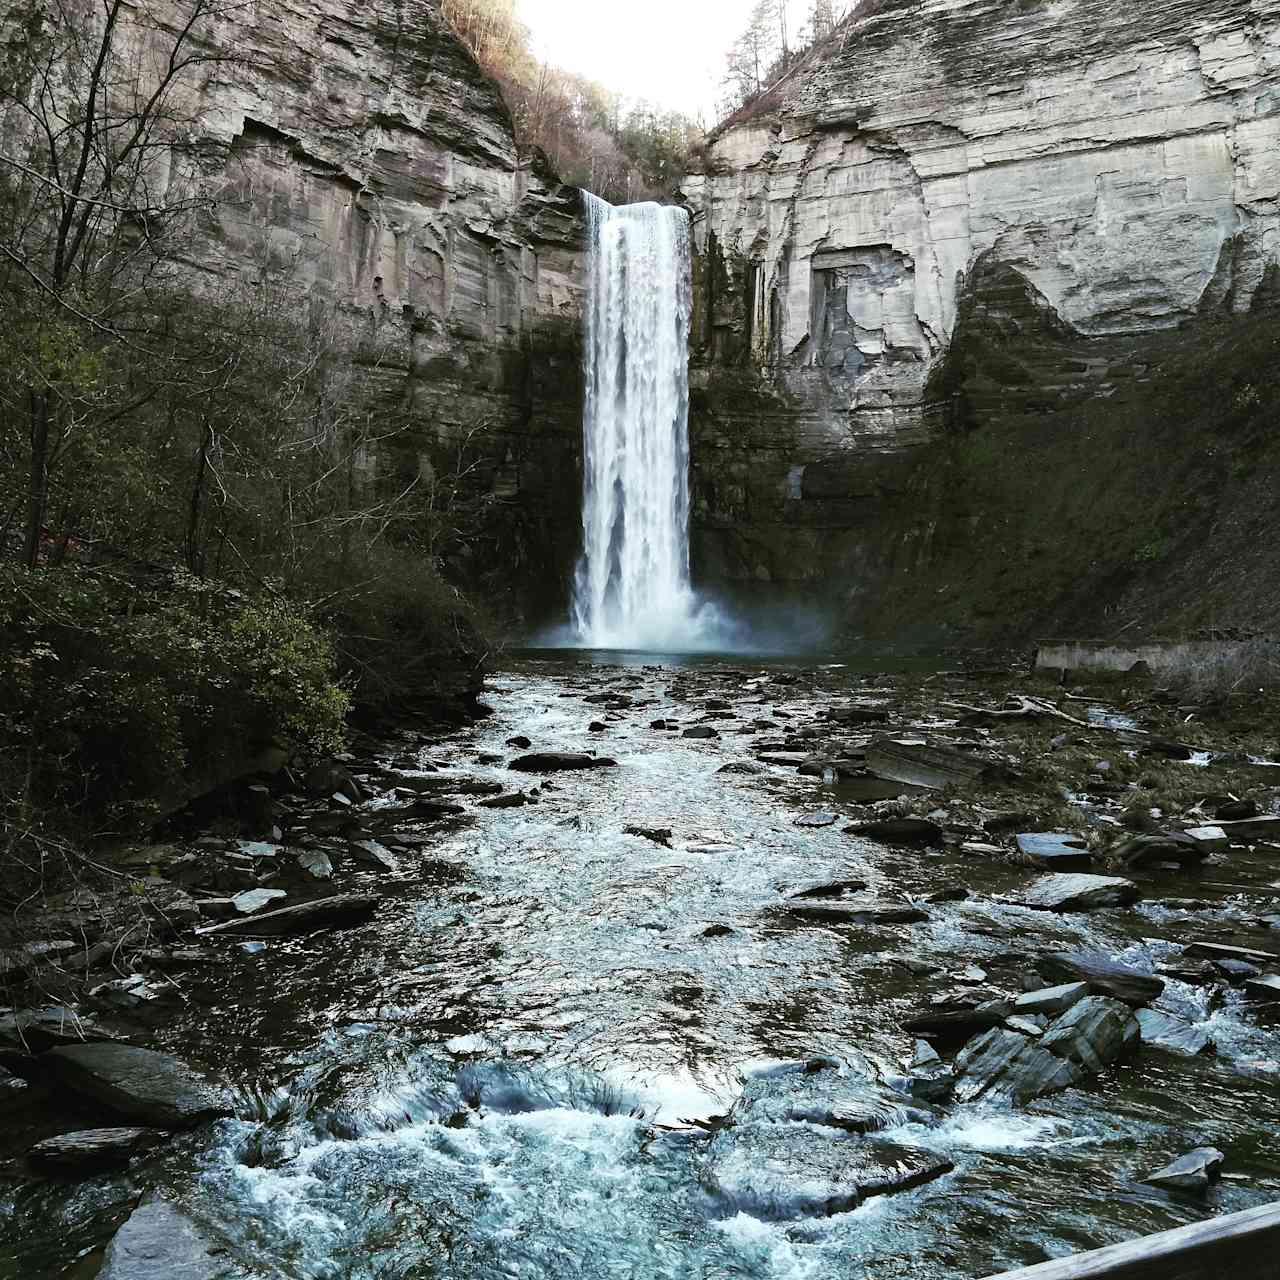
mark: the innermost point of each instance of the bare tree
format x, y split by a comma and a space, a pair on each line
99, 171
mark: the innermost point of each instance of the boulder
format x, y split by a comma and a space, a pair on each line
952, 1025
1093, 1033
1105, 977
704, 731
560, 762
1050, 1000
1163, 847
1264, 990
159, 1240
1071, 892
825, 1092
35, 1030
92, 1149
152, 1088
1054, 851
1191, 1174
924, 766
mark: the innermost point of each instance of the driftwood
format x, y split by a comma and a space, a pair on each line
1027, 709
1240, 1245
348, 908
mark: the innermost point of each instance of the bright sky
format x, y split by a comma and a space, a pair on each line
670, 52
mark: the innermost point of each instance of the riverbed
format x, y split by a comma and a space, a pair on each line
523, 1066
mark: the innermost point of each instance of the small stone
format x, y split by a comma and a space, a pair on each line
1191, 1174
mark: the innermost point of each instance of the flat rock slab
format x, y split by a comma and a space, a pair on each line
1218, 951
1161, 1031
1054, 851
1070, 893
92, 1149
325, 913
1191, 1174
1249, 830
908, 831
1105, 977
560, 762
924, 766
788, 1171
1164, 847
35, 1030
1265, 990
819, 819
159, 1242
855, 913
830, 889
152, 1088
1051, 1000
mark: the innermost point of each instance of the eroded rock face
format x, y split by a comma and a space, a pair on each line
1061, 184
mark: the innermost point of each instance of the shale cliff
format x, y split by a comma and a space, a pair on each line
360, 152
952, 280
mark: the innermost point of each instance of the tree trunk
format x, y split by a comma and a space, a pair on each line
38, 481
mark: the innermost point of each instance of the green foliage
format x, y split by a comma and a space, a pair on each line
119, 693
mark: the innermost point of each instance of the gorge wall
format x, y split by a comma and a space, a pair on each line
360, 155
980, 328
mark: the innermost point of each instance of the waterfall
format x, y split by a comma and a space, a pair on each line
632, 588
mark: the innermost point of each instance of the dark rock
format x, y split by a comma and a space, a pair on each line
858, 714
1054, 851
520, 742
821, 818
906, 831
560, 762
1191, 1174
658, 835
151, 1088
35, 1030
328, 778
948, 895
744, 768
700, 731
862, 914
1166, 750
418, 811
950, 1026
1265, 990
1161, 1031
1105, 977
925, 766
717, 931
515, 800
831, 889
160, 1241
1070, 893
324, 913
1165, 846
1237, 811
597, 727
92, 1149
1252, 830
783, 1172
1218, 951
372, 854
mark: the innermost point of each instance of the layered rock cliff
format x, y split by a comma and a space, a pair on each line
968, 219
362, 153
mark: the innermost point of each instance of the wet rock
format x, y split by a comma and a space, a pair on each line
329, 778
830, 889
35, 1030
1218, 951
1164, 847
1166, 750
822, 818
702, 731
925, 766
418, 811
718, 931
949, 895
152, 1088
253, 900
335, 912
1071, 893
1252, 830
1264, 990
785, 1172
860, 914
516, 800
952, 1025
1162, 1031
597, 727
1050, 1000
1105, 977
1191, 1174
1054, 851
560, 762
658, 835
1002, 1064
1237, 811
742, 768
520, 742
372, 854
92, 1149
159, 1240
316, 863
904, 831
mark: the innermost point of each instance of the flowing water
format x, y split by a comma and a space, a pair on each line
515, 1070
632, 587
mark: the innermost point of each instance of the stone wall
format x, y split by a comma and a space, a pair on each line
1113, 168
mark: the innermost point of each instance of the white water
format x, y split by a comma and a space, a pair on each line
633, 588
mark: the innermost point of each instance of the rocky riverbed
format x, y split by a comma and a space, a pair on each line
703, 970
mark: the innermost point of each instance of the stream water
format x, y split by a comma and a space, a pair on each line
503, 1074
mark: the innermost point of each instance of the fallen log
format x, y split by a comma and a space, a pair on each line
1240, 1245
324, 913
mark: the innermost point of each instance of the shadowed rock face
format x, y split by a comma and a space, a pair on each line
963, 211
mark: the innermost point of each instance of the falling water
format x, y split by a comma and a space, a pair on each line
633, 588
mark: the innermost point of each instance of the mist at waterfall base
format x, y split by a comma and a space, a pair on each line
632, 589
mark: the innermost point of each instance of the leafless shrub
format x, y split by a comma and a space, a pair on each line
1216, 670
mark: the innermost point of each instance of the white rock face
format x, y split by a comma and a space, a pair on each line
1123, 157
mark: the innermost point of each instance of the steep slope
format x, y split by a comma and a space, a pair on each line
974, 218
